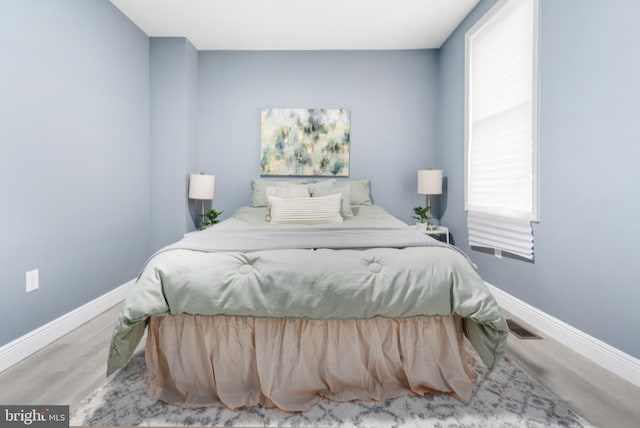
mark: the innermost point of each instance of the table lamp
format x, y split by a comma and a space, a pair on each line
429, 183
201, 187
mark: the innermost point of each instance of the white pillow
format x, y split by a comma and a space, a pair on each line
287, 191
321, 189
360, 190
259, 186
322, 185
323, 209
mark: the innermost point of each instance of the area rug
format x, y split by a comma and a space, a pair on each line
507, 397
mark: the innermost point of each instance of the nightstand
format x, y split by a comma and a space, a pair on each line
439, 230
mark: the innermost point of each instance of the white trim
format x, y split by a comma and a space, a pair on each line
19, 349
612, 359
536, 112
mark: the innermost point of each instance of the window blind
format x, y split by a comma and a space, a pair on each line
502, 233
501, 130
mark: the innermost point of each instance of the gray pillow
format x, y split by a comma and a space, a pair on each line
259, 189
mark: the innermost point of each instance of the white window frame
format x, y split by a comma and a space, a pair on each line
485, 22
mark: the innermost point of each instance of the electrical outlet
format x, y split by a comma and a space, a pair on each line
33, 280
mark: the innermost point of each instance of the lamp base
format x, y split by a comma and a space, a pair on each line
202, 216
431, 227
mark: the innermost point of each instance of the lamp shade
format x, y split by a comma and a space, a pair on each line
430, 182
201, 186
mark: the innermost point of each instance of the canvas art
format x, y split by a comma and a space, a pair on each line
305, 142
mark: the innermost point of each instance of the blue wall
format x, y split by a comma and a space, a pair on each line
93, 176
173, 87
74, 156
392, 96
585, 272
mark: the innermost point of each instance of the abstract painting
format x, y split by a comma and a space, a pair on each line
305, 142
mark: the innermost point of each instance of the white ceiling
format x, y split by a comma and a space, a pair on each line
300, 24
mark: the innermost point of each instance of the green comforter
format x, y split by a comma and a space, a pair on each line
409, 275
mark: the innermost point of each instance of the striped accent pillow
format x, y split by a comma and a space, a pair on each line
323, 209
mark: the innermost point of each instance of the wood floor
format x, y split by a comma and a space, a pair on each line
70, 368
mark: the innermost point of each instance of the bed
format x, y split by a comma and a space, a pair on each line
282, 314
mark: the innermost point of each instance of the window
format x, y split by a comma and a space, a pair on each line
501, 131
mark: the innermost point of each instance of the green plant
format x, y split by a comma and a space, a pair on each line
422, 214
210, 218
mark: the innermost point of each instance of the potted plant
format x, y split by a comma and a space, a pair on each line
210, 218
423, 215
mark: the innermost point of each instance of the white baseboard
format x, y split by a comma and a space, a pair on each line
612, 359
15, 351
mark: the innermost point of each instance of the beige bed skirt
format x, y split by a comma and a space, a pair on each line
291, 364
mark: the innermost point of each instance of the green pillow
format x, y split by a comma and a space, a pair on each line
360, 190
